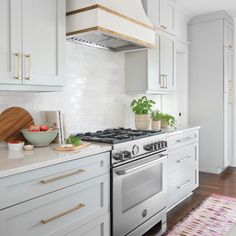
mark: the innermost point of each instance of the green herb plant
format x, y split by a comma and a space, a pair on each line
73, 140
168, 119
142, 106
156, 115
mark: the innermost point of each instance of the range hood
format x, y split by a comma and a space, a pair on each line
117, 25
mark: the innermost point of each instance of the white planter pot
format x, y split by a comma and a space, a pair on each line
156, 125
142, 122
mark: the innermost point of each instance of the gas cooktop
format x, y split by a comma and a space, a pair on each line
119, 135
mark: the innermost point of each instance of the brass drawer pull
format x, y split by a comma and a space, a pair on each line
184, 184
29, 66
46, 181
183, 139
63, 213
18, 55
183, 159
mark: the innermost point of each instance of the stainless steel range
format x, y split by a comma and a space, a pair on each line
138, 170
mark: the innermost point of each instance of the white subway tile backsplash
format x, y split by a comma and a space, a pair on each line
94, 95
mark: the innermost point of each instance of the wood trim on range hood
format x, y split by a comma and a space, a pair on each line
98, 25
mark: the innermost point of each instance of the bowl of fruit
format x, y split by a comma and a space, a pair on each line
40, 136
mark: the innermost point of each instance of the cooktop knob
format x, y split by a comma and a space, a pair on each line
118, 156
126, 154
149, 147
164, 144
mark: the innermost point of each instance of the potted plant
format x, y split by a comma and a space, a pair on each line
142, 108
156, 120
167, 121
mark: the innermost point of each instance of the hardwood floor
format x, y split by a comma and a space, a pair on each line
224, 184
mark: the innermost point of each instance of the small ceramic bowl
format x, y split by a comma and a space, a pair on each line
16, 146
28, 147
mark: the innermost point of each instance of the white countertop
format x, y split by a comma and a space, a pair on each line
182, 130
14, 162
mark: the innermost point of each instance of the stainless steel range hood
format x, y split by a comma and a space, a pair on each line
117, 25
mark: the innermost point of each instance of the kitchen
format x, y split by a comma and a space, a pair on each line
116, 52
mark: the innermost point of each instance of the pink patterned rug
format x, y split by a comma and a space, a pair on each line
214, 217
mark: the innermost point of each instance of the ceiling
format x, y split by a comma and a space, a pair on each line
197, 7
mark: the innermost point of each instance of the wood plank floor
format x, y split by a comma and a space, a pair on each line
224, 184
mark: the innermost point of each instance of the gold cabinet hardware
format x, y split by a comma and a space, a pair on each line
29, 66
161, 82
166, 83
46, 181
79, 206
18, 55
230, 46
163, 26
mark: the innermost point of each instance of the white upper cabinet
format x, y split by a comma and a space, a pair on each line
168, 58
43, 41
10, 41
228, 70
32, 47
228, 34
161, 13
169, 16
152, 71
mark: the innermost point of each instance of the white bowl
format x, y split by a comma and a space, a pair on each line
16, 146
28, 147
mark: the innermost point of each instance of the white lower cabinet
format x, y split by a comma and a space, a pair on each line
99, 227
82, 208
183, 170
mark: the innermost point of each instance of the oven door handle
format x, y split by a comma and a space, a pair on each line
151, 163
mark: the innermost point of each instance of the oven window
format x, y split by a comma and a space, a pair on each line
141, 185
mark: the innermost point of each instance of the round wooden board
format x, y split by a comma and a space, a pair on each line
12, 121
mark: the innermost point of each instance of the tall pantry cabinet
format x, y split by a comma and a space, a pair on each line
211, 87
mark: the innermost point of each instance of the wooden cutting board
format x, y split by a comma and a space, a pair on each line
72, 149
12, 121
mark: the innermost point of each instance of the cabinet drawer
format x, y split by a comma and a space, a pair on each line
25, 186
179, 140
181, 183
182, 158
98, 227
58, 213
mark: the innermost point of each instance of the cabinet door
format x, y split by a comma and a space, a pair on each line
168, 62
229, 35
10, 42
155, 81
154, 11
169, 16
43, 41
99, 227
228, 70
228, 129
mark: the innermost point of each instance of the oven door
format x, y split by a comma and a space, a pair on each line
139, 192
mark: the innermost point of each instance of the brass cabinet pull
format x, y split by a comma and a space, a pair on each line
29, 66
46, 181
162, 80
163, 26
184, 184
166, 84
18, 55
230, 46
63, 213
183, 159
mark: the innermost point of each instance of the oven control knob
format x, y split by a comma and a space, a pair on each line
126, 154
164, 144
118, 156
149, 147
